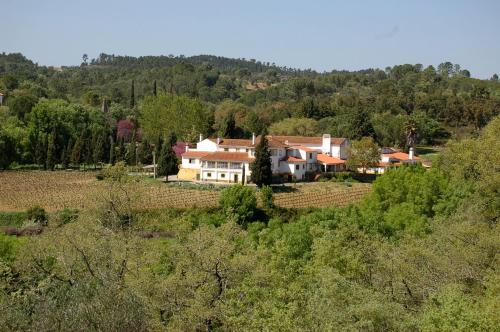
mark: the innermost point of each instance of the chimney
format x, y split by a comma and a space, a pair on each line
201, 137
253, 138
187, 147
326, 144
411, 153
218, 140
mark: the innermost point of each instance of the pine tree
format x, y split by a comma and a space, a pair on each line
154, 88
50, 162
132, 95
261, 167
167, 161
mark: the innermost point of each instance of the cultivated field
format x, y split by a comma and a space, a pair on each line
20, 190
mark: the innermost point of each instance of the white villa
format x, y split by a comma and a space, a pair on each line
228, 160
390, 157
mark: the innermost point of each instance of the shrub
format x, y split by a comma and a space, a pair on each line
66, 216
99, 176
38, 215
238, 202
267, 198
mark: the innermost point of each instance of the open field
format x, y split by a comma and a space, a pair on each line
81, 190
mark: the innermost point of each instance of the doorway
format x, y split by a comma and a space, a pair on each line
235, 178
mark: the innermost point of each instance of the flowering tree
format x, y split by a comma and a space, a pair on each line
125, 129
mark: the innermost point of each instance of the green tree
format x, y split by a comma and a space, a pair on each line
167, 161
167, 113
132, 95
261, 168
51, 151
131, 155
363, 153
238, 203
294, 126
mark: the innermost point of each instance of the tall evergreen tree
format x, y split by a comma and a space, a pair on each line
112, 148
120, 151
66, 154
51, 151
76, 152
131, 156
167, 161
154, 88
228, 126
132, 95
98, 148
262, 173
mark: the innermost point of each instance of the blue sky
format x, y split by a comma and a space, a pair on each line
321, 35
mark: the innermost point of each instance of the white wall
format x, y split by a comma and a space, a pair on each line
206, 145
196, 163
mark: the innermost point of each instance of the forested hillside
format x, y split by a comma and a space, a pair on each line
105, 101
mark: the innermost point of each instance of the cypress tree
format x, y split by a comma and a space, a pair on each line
66, 154
146, 157
51, 151
76, 152
261, 167
97, 148
120, 153
131, 156
154, 88
132, 95
167, 161
111, 151
228, 127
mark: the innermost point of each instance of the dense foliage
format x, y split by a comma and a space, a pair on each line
86, 114
420, 253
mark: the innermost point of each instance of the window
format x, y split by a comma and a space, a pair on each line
273, 152
310, 156
222, 164
209, 175
223, 175
190, 161
303, 166
297, 167
226, 149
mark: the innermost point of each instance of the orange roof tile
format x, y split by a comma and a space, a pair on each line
227, 156
329, 160
194, 154
401, 156
291, 159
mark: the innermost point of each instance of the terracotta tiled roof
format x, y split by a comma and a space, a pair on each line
195, 154
291, 159
400, 156
233, 142
328, 160
227, 156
